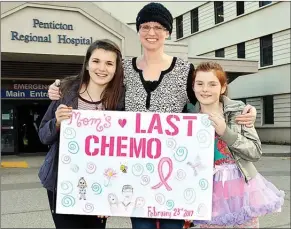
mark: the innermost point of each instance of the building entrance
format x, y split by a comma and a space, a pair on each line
29, 118
20, 124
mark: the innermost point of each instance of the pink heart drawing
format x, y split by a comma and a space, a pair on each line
122, 122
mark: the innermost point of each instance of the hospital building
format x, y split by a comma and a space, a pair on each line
44, 41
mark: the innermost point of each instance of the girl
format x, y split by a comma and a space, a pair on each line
240, 193
157, 82
97, 87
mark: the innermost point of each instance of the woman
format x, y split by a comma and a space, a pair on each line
97, 87
157, 82
240, 194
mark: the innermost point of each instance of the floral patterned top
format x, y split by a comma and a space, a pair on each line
222, 155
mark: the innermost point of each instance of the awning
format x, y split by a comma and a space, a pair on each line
269, 81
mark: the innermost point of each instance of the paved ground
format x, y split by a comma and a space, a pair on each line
24, 203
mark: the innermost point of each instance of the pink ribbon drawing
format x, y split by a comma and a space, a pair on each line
161, 175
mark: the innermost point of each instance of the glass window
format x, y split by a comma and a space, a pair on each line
218, 12
240, 8
266, 50
179, 26
7, 130
241, 50
264, 3
268, 106
194, 21
219, 53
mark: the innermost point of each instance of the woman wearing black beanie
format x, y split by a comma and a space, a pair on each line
155, 78
157, 82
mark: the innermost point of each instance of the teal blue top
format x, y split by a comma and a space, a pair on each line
222, 154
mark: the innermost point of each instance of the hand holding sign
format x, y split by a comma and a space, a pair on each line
63, 112
135, 164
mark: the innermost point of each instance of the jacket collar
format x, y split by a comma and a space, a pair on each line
229, 105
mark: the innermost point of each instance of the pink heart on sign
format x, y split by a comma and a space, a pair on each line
122, 122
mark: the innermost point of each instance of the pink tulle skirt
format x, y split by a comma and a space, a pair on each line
236, 202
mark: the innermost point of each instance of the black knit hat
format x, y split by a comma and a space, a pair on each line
155, 12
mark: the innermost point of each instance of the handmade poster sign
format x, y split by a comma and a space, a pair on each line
136, 164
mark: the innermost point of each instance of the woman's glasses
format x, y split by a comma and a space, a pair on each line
147, 28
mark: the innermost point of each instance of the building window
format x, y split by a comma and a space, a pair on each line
218, 12
179, 26
240, 8
241, 50
194, 20
219, 53
264, 3
266, 50
268, 106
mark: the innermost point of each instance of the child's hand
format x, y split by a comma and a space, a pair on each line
218, 122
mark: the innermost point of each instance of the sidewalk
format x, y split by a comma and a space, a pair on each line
276, 150
24, 201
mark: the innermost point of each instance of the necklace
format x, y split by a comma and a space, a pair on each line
96, 104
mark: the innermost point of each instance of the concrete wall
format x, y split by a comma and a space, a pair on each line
280, 135
177, 49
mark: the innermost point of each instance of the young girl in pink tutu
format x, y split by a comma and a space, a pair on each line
240, 193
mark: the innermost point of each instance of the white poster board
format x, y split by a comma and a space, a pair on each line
136, 164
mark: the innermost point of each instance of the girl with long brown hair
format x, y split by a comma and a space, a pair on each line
99, 86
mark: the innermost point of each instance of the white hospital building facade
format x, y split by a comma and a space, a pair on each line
43, 41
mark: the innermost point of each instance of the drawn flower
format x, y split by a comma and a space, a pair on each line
109, 174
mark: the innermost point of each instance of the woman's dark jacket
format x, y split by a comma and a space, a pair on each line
49, 135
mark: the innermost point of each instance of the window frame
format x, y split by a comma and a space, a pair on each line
179, 27
240, 8
218, 5
264, 3
194, 18
217, 52
266, 50
241, 50
268, 109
